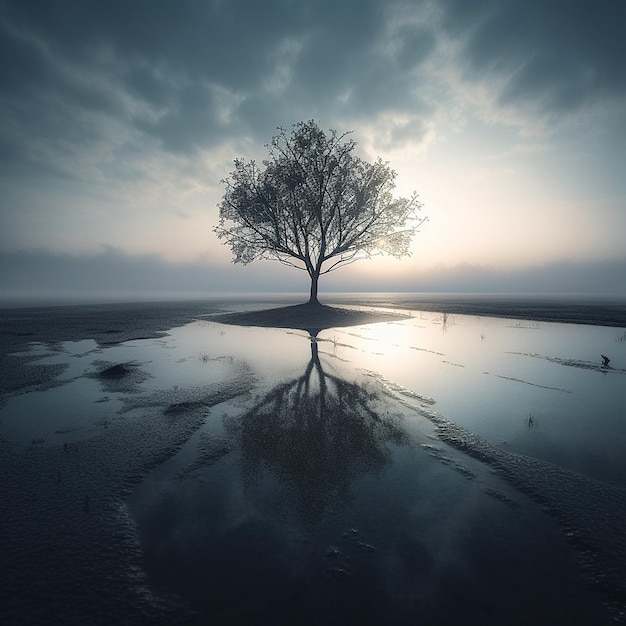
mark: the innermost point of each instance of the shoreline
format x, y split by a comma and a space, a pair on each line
110, 324
562, 309
114, 323
493, 302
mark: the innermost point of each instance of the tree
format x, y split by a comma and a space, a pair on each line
314, 205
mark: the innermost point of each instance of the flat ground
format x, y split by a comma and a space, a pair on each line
307, 317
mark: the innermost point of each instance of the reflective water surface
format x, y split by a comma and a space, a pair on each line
328, 487
490, 375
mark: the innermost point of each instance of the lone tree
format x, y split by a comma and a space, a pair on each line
314, 205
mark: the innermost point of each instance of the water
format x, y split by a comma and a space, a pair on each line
436, 469
491, 374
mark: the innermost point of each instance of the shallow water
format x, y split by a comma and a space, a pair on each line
489, 375
422, 470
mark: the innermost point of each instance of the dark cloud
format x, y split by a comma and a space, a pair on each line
190, 73
191, 120
559, 55
24, 65
337, 46
413, 45
147, 84
157, 67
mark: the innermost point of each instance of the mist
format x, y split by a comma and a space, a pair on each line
41, 278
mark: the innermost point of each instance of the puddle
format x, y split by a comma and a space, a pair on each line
384, 473
485, 375
335, 479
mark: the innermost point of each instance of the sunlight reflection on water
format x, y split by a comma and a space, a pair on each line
490, 375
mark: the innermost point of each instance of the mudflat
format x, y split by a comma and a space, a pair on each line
391, 456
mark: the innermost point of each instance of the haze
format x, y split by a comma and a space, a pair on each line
118, 121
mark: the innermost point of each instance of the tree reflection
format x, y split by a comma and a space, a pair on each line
317, 433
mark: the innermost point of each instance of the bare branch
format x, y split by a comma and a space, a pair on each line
314, 205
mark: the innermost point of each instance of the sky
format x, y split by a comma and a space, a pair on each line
119, 120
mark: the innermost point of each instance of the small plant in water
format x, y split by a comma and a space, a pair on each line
443, 320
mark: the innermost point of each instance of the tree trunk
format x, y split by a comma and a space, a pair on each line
314, 280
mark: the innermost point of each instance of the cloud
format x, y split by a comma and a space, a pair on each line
557, 56
192, 74
188, 75
114, 116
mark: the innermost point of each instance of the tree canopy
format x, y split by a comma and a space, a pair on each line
314, 205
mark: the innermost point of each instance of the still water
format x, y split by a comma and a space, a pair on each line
325, 494
324, 491
490, 375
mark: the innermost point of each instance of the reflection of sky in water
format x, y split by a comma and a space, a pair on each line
344, 505
488, 375
319, 492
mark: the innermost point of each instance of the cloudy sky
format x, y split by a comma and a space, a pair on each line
119, 119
